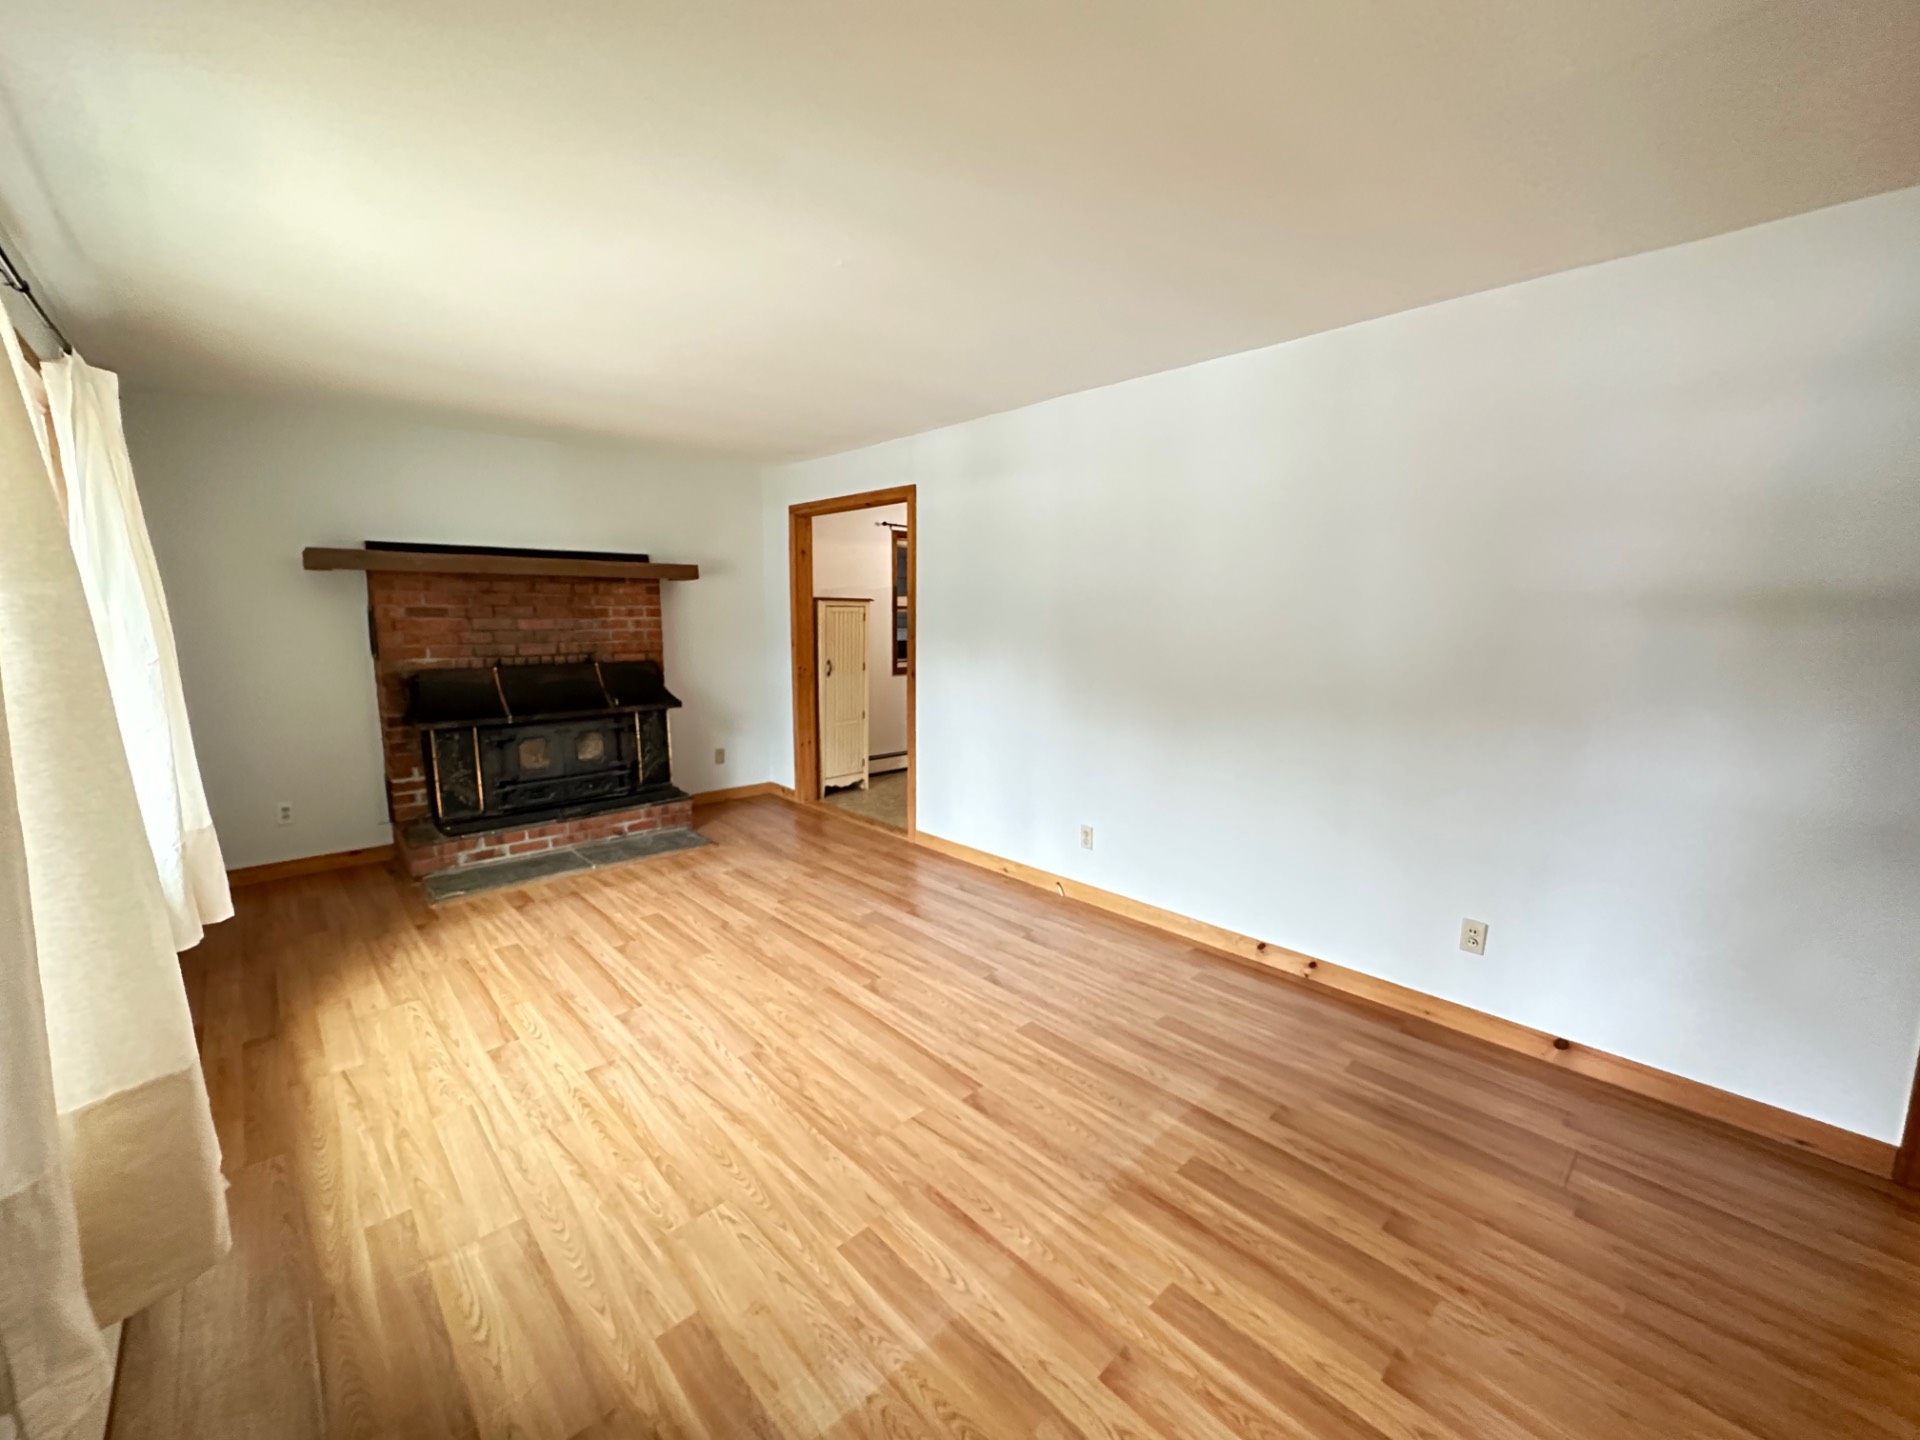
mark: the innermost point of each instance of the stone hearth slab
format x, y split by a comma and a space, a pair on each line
595, 855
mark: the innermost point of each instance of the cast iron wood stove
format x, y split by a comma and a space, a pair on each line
522, 744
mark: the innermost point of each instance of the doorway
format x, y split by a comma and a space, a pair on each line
857, 552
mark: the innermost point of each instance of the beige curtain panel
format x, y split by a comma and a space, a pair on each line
108, 533
110, 1186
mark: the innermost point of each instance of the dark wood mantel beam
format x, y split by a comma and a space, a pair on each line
437, 562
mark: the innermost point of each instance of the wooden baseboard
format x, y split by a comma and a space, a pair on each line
309, 865
1815, 1137
741, 792
381, 854
1906, 1163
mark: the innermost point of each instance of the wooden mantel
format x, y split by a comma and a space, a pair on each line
577, 564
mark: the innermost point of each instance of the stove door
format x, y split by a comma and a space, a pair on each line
453, 774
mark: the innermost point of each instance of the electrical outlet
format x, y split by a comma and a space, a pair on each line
1086, 837
283, 813
720, 755
1473, 936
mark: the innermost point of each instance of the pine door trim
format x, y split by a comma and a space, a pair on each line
800, 598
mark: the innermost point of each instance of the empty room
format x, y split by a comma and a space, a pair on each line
1009, 721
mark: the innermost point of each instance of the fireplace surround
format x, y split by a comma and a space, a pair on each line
444, 624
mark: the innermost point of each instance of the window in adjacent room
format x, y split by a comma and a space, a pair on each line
900, 602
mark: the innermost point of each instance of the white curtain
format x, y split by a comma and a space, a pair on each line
39, 412
129, 608
110, 1188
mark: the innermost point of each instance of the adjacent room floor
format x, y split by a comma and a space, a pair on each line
814, 1133
884, 800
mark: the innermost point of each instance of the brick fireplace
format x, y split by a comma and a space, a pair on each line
428, 621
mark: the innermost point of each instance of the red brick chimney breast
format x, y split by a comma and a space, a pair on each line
423, 621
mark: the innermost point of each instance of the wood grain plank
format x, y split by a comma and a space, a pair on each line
814, 1132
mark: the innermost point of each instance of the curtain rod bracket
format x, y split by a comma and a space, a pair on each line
11, 277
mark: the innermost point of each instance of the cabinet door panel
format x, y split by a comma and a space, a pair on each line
842, 630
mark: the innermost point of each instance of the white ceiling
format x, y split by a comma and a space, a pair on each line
794, 226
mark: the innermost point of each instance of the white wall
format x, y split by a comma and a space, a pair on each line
278, 676
853, 559
1588, 607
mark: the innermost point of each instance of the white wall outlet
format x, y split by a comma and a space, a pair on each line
720, 755
283, 813
1473, 936
1086, 837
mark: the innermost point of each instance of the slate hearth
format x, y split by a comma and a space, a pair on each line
425, 849
501, 874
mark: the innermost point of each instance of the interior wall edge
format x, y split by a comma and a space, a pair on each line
279, 676
1589, 608
293, 869
309, 865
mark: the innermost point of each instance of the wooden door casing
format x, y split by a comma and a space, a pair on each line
805, 646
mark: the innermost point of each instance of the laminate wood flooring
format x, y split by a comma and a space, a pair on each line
813, 1133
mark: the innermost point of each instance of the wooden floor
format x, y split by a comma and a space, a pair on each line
814, 1133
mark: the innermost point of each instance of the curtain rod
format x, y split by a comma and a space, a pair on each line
11, 277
